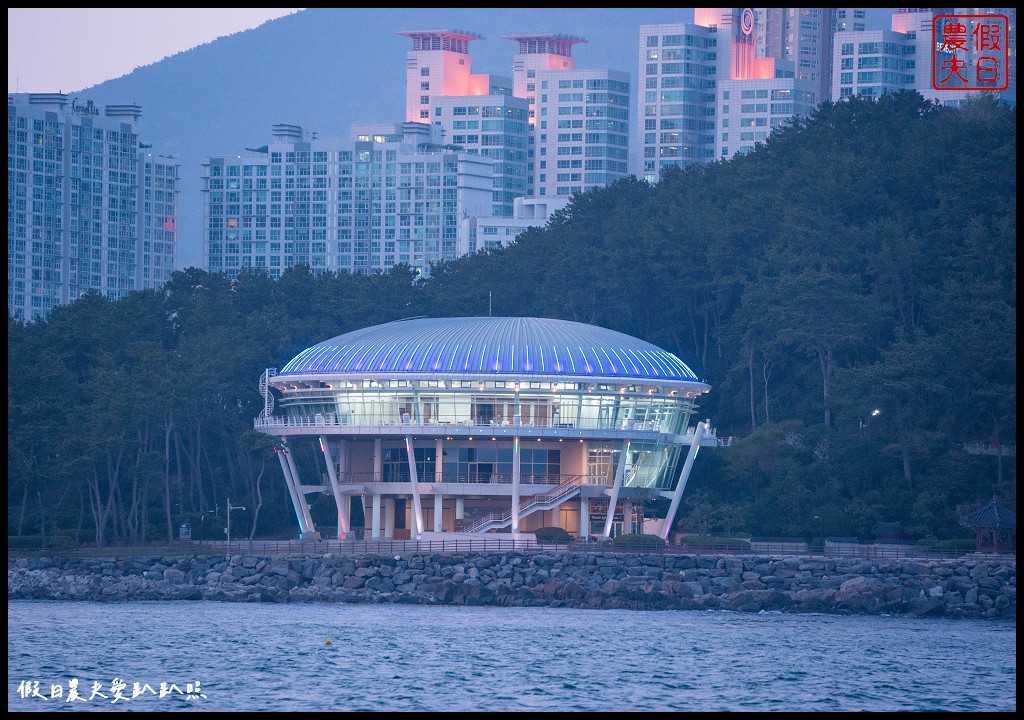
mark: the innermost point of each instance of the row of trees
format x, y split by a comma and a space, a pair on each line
848, 289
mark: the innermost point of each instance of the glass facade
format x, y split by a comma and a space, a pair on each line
452, 409
486, 403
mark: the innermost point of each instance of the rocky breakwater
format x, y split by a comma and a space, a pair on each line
953, 588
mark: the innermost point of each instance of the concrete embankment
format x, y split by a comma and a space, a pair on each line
638, 581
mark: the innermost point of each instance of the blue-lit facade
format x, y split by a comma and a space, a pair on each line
530, 422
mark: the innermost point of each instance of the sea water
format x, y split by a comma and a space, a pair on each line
218, 656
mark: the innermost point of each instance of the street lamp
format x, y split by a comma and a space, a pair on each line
865, 425
202, 521
231, 507
821, 531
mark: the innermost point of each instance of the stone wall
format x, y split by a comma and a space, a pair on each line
954, 588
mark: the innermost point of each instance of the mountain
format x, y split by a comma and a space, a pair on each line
326, 68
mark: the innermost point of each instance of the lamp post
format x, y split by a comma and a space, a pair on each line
231, 507
821, 531
202, 523
865, 425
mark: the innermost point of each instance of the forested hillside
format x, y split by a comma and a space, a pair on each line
848, 290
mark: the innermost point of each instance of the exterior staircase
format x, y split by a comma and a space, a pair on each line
532, 504
268, 396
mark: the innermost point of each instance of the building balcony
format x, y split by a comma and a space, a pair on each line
332, 425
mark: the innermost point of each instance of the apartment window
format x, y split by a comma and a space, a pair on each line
425, 72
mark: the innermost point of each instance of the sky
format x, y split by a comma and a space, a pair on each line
55, 49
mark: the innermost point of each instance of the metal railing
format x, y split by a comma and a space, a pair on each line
497, 544
536, 502
332, 420
268, 397
990, 449
297, 548
363, 478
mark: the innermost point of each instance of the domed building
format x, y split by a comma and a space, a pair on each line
486, 424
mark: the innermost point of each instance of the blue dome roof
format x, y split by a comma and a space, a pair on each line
490, 346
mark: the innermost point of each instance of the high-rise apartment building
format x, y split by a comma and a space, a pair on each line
849, 19
454, 178
708, 91
675, 111
391, 194
872, 63
476, 111
754, 95
575, 121
579, 118
803, 35
90, 207
876, 62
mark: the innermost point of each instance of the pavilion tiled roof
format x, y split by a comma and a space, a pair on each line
991, 517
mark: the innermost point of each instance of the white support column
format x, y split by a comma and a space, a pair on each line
378, 462
460, 509
438, 479
417, 507
301, 496
343, 460
292, 492
620, 472
684, 475
438, 511
627, 516
389, 518
438, 465
515, 484
338, 501
584, 518
375, 521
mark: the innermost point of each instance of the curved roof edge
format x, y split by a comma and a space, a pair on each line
491, 346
